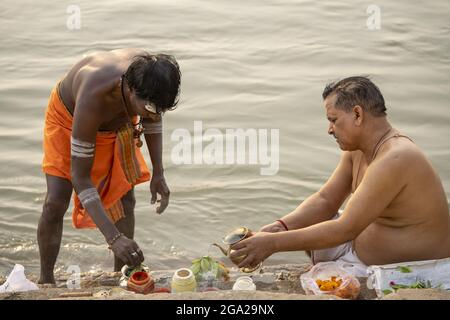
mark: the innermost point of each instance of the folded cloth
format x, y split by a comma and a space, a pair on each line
118, 163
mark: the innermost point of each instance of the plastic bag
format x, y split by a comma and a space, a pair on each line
346, 285
17, 282
420, 274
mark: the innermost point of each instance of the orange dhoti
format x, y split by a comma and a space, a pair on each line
118, 163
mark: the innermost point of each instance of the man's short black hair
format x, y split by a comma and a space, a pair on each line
155, 78
354, 91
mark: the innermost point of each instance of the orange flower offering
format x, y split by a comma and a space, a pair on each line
329, 285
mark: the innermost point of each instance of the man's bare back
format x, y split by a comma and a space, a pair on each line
416, 224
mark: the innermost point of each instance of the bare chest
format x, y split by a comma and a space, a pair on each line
358, 170
115, 115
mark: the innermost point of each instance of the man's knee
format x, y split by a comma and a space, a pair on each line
55, 208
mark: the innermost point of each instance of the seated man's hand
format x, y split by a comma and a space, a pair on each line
273, 227
159, 185
256, 249
128, 251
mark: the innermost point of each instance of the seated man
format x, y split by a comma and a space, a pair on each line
397, 211
93, 123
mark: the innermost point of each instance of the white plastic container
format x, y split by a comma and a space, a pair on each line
183, 280
244, 283
436, 272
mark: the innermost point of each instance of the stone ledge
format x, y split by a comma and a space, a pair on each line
279, 282
418, 294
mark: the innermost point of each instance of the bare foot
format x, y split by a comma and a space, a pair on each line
47, 281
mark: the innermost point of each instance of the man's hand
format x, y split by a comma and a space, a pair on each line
158, 185
128, 251
256, 249
273, 227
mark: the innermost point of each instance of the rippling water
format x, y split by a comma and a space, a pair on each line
245, 64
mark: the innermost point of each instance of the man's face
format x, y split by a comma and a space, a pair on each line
341, 125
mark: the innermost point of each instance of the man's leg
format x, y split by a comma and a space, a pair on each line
126, 224
50, 226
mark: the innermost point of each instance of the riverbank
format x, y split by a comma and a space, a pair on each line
280, 282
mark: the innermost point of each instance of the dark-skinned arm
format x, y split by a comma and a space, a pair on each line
87, 119
153, 139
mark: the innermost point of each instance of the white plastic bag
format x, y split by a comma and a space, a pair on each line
17, 282
348, 288
384, 278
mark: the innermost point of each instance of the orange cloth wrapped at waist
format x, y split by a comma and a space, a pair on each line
118, 163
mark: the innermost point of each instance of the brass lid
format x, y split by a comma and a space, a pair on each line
236, 235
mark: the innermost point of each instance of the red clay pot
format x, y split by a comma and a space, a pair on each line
141, 282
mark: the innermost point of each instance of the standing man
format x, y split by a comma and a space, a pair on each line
397, 209
94, 120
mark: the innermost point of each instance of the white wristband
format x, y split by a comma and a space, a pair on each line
152, 127
81, 149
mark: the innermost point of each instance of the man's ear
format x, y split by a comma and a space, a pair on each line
358, 114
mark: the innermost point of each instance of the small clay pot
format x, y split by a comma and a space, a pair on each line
183, 280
